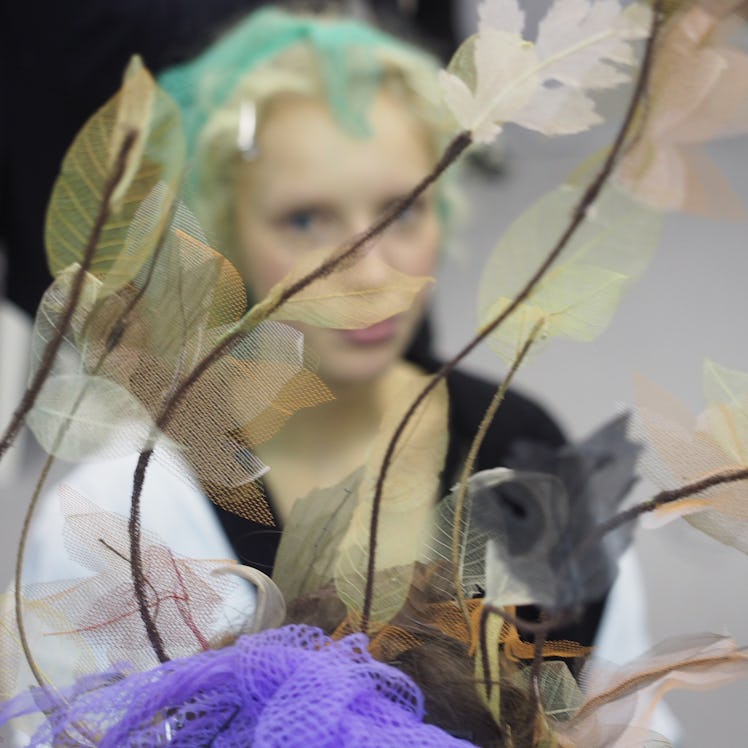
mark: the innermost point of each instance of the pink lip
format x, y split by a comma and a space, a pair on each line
379, 333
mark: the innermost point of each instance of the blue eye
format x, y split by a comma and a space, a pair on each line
301, 220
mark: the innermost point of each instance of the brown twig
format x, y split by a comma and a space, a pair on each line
660, 499
488, 416
577, 218
50, 352
136, 560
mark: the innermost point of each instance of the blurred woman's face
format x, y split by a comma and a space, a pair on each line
313, 185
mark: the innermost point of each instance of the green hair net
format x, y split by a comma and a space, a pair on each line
204, 84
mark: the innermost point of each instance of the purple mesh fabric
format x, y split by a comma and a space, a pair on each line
292, 686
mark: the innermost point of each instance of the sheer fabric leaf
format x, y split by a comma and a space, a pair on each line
578, 296
619, 700
497, 76
684, 449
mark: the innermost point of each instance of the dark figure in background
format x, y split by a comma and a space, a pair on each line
59, 63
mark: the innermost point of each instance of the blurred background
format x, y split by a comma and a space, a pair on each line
691, 304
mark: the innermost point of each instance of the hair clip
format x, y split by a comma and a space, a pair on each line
245, 139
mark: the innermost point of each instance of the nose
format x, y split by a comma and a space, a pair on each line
374, 267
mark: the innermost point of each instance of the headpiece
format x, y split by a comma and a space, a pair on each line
347, 51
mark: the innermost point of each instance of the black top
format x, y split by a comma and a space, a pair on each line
518, 419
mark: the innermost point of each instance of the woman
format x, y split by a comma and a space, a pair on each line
348, 121
304, 131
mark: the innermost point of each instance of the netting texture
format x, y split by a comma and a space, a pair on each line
292, 686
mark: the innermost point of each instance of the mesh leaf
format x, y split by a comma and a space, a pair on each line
682, 451
579, 294
311, 537
726, 418
191, 604
147, 338
347, 298
438, 546
559, 692
79, 415
40, 616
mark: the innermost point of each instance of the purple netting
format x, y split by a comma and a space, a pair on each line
292, 686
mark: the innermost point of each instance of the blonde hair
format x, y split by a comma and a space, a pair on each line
346, 74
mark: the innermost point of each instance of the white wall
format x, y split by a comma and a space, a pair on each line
691, 304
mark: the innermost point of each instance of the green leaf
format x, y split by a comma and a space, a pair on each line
578, 295
78, 197
347, 298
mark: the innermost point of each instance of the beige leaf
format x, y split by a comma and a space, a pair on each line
309, 546
697, 91
497, 76
78, 201
132, 122
347, 298
625, 697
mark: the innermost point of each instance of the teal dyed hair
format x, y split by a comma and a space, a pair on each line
272, 52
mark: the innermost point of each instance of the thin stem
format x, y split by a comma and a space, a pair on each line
50, 352
467, 471
19, 571
577, 219
18, 600
136, 560
483, 650
347, 254
33, 390
113, 341
537, 665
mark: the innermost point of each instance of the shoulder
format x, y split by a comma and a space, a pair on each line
519, 418
175, 513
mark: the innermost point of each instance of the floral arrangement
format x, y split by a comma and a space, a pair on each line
111, 377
